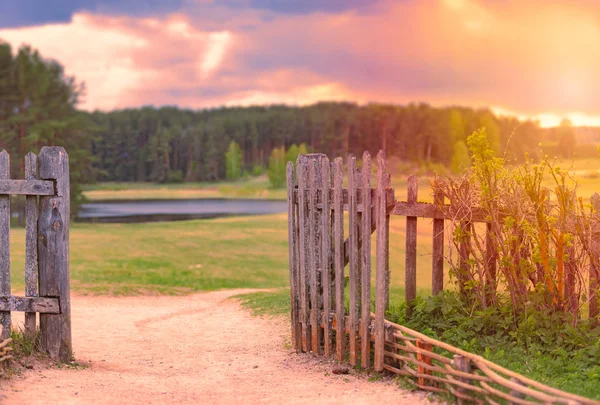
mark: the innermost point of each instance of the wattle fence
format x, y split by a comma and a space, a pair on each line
325, 323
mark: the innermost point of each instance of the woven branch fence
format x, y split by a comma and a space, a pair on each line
319, 254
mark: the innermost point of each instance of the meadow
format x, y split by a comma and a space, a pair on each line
177, 258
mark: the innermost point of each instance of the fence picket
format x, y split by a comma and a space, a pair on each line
354, 270
302, 178
326, 254
338, 242
293, 258
365, 349
315, 312
31, 254
381, 276
410, 275
437, 269
5, 244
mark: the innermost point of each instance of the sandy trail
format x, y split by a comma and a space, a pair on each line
195, 349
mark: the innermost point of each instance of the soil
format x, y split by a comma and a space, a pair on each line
202, 348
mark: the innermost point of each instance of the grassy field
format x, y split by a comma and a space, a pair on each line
187, 256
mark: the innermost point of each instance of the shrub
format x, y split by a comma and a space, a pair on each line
277, 168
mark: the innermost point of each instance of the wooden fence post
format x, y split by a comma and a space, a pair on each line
326, 252
437, 269
4, 244
338, 242
490, 265
53, 252
353, 262
422, 357
365, 338
462, 363
293, 258
303, 248
31, 238
381, 276
410, 275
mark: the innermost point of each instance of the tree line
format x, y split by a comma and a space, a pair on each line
38, 106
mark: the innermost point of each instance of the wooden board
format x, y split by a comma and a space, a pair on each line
293, 260
53, 254
326, 255
313, 259
31, 233
4, 244
26, 187
365, 349
353, 255
338, 256
30, 304
302, 178
410, 275
382, 253
437, 256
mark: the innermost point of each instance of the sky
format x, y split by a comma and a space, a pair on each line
535, 59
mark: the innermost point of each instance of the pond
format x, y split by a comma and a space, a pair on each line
173, 210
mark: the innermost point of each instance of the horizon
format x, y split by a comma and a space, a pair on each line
531, 61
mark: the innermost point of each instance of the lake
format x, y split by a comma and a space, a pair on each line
173, 210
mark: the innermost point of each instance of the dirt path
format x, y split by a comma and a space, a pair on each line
196, 349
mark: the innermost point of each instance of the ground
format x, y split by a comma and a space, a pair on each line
201, 348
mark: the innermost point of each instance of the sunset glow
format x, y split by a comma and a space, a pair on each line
536, 59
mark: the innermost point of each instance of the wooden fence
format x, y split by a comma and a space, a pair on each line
318, 254
47, 287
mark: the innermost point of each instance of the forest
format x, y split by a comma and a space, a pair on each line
38, 106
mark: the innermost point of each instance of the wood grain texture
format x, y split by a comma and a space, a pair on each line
437, 256
326, 255
53, 254
26, 187
353, 262
381, 276
31, 254
5, 244
313, 260
293, 259
390, 201
490, 265
302, 178
338, 256
30, 304
365, 350
410, 275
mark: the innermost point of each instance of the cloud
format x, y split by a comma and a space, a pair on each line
534, 58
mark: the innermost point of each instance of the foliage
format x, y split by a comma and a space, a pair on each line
38, 108
258, 170
277, 168
460, 158
539, 237
542, 344
233, 158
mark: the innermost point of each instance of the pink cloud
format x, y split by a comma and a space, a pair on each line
533, 58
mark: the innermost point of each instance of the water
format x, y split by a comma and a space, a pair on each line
173, 210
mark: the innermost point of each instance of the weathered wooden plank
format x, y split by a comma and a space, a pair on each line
359, 192
463, 257
26, 187
437, 266
4, 244
326, 255
313, 264
31, 254
390, 198
382, 253
427, 210
490, 265
53, 253
353, 253
338, 256
365, 350
29, 304
302, 177
293, 259
410, 275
